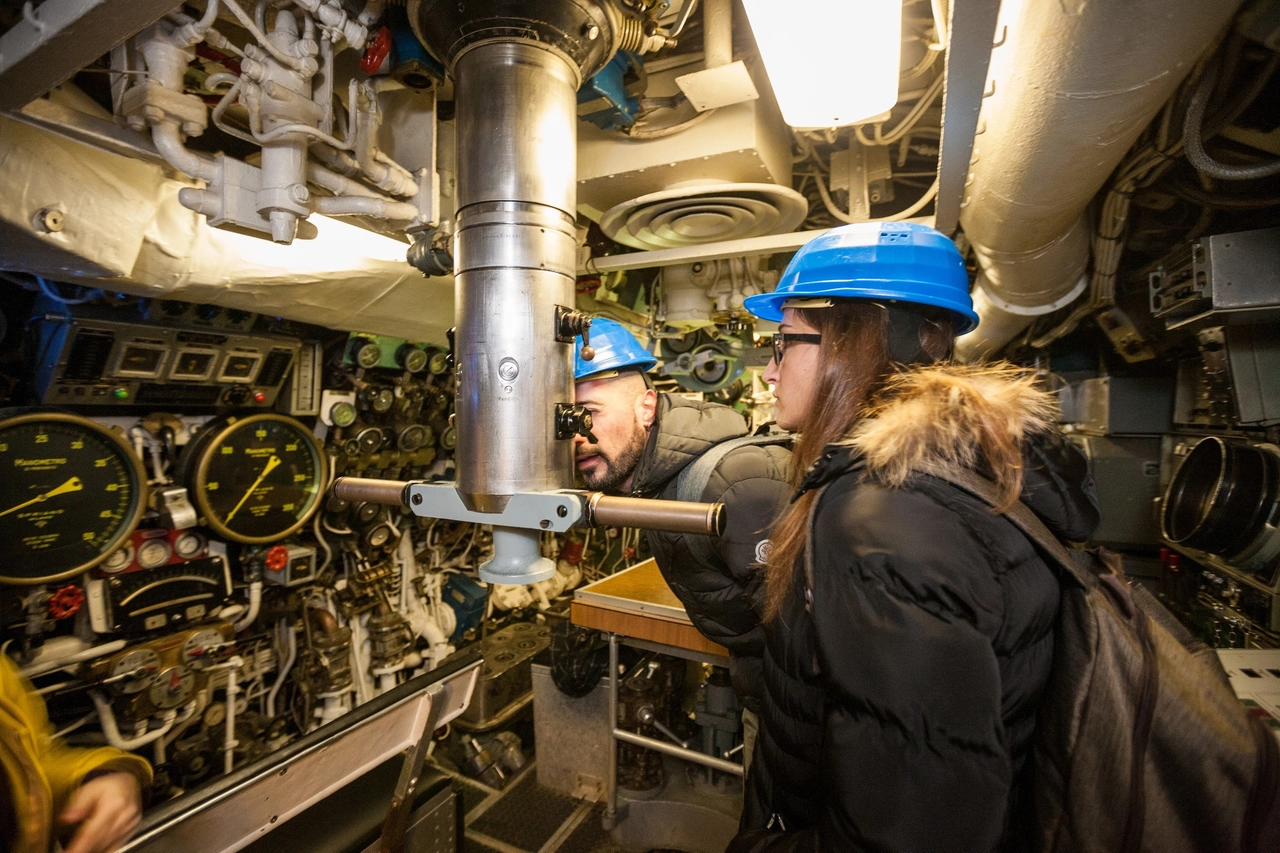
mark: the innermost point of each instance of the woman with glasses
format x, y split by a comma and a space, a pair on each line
909, 628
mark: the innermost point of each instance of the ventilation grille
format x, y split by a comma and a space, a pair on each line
87, 360
273, 369
692, 215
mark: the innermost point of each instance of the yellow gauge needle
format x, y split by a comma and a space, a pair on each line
72, 485
271, 466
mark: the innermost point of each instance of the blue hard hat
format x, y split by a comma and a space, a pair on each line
616, 349
894, 261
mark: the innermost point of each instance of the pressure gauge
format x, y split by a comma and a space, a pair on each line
382, 400
255, 479
153, 553
413, 438
189, 544
367, 512
118, 560
370, 439
172, 687
366, 353
411, 358
377, 536
197, 648
71, 492
439, 363
343, 414
136, 671
449, 438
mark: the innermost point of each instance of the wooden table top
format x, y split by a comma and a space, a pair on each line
638, 603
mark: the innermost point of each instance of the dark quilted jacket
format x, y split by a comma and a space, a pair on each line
897, 715
752, 483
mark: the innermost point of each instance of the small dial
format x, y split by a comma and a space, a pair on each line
412, 359
256, 479
136, 670
382, 400
189, 544
198, 647
172, 687
367, 512
366, 353
71, 493
377, 536
413, 438
343, 414
439, 363
153, 553
370, 440
118, 560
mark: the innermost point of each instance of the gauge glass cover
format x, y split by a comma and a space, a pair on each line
71, 493
258, 479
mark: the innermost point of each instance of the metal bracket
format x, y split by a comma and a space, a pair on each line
556, 511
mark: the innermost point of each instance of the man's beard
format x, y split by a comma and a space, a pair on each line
618, 467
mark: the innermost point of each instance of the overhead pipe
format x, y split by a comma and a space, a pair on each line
1071, 88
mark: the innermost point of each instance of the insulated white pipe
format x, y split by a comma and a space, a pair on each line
1074, 85
717, 32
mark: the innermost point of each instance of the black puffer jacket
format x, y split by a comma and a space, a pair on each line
898, 712
752, 483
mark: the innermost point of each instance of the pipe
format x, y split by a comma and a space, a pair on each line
111, 731
1192, 138
717, 32
363, 206
291, 643
1101, 69
39, 667
365, 490
229, 741
169, 143
255, 604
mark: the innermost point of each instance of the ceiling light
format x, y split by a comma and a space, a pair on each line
830, 62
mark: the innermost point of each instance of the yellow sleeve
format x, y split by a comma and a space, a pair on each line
64, 767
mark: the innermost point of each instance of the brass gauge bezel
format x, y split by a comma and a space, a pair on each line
133, 466
207, 448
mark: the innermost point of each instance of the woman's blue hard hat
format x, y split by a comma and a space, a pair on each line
616, 350
893, 261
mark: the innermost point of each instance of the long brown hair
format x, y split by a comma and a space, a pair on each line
854, 366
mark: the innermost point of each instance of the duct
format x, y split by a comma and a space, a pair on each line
1071, 88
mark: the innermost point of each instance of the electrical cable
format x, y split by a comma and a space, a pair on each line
1192, 136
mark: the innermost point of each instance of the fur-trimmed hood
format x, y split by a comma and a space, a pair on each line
936, 417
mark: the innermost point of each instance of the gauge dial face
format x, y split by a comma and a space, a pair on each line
188, 545
257, 479
118, 560
153, 553
136, 671
172, 687
70, 493
195, 651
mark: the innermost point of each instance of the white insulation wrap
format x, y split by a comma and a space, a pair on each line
1072, 84
125, 230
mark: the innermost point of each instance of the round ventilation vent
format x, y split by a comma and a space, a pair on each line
690, 215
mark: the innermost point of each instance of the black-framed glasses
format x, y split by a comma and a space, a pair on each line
781, 340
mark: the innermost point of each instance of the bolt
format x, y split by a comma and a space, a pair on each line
299, 194
592, 32
49, 220
416, 499
562, 510
544, 524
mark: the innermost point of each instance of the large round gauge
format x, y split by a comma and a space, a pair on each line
255, 479
71, 491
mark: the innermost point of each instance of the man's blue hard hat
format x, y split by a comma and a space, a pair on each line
894, 261
616, 350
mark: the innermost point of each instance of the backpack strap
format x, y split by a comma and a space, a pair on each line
695, 476
1021, 516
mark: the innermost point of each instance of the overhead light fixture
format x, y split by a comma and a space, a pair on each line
830, 62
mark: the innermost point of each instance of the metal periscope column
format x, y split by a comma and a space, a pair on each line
515, 257
516, 66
